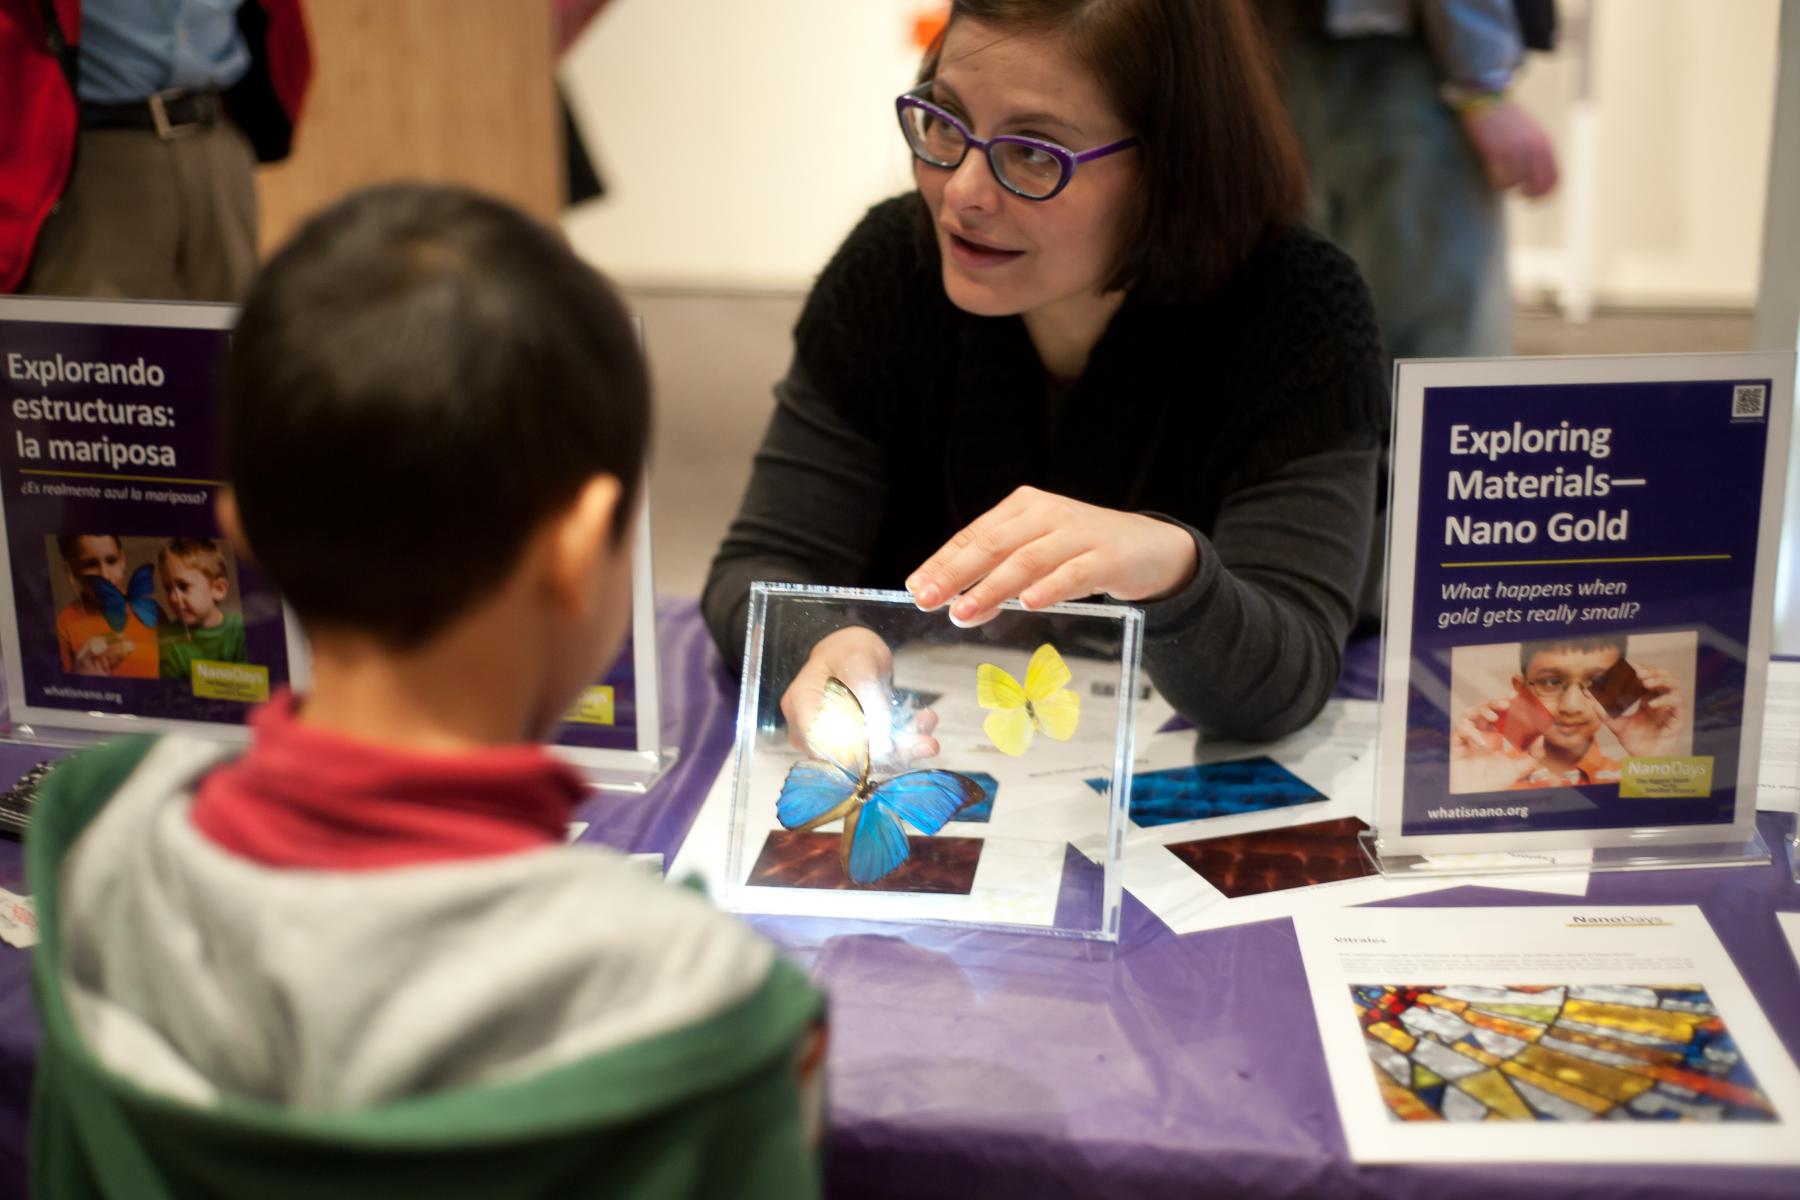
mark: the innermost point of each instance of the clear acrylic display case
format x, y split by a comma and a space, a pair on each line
841, 807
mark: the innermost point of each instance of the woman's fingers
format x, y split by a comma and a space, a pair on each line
974, 549
1069, 581
1042, 549
979, 547
1025, 568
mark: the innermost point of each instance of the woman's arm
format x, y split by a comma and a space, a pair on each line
818, 489
1248, 642
1251, 647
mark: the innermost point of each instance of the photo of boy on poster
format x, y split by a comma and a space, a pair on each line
92, 639
203, 619
144, 608
1576, 707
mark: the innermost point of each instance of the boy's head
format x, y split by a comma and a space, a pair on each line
1561, 672
101, 554
422, 382
193, 574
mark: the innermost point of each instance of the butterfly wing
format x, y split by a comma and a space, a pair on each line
813, 793
1046, 673
994, 688
140, 596
1007, 726
878, 846
1009, 729
1058, 714
925, 799
839, 733
110, 600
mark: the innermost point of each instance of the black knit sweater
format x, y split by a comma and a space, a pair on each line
1254, 417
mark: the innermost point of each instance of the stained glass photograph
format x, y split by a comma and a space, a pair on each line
1555, 1053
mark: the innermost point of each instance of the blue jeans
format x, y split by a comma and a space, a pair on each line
1397, 184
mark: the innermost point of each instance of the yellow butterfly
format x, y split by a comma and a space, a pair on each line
1043, 701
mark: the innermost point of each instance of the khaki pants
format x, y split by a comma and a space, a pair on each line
148, 219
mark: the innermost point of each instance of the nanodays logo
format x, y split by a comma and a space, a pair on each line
1627, 920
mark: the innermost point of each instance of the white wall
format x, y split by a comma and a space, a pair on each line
1778, 308
1683, 96
739, 140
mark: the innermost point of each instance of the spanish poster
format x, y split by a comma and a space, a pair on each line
122, 602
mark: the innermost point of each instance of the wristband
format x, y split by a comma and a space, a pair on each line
1467, 101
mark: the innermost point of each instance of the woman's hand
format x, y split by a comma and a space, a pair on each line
864, 664
1044, 548
1481, 759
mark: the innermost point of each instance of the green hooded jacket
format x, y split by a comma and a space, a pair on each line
709, 1109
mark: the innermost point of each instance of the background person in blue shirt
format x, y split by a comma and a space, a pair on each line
160, 202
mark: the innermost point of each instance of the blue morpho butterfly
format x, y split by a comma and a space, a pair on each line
139, 597
819, 791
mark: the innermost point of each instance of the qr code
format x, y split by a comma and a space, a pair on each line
1748, 400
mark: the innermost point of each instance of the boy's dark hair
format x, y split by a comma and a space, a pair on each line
1598, 641
1195, 81
419, 378
69, 544
203, 553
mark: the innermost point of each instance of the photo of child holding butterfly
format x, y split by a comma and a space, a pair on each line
109, 628
193, 575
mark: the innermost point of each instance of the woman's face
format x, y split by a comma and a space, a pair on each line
1003, 254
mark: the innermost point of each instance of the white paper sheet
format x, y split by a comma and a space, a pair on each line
1184, 901
702, 853
1336, 755
1591, 1016
18, 920
1790, 925
1778, 777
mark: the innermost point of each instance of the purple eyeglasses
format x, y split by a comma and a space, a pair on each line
1025, 166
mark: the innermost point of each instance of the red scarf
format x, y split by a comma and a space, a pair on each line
309, 798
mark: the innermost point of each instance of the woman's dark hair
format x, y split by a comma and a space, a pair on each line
418, 379
1195, 81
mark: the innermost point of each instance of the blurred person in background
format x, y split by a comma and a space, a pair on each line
129, 135
1412, 138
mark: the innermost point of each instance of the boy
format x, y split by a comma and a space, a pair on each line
192, 571
1562, 674
93, 641
356, 959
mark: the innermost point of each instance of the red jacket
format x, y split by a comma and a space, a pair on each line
39, 116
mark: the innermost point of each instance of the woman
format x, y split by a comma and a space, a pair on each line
1095, 356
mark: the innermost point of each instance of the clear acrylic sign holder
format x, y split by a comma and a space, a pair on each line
95, 515
1577, 630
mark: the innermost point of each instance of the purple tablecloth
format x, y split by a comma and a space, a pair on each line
981, 1064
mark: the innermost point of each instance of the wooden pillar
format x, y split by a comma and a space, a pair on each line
444, 90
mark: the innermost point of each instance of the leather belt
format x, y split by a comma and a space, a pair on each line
171, 114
